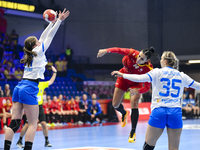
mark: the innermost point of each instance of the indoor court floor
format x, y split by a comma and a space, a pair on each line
110, 136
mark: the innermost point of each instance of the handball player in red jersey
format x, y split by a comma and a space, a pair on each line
134, 62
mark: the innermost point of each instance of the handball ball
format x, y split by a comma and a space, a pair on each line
49, 15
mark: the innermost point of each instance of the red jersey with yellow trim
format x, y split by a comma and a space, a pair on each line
131, 67
72, 105
7, 108
54, 106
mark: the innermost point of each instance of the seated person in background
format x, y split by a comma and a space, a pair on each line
55, 111
83, 105
73, 111
186, 109
192, 104
80, 111
63, 113
18, 74
7, 91
7, 73
47, 111
5, 113
94, 112
1, 92
2, 76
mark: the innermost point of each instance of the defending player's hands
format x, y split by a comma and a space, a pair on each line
53, 69
116, 74
63, 15
101, 52
133, 91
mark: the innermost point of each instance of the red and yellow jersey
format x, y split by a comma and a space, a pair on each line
7, 108
54, 106
131, 67
71, 105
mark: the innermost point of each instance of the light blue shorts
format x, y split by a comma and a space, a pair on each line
26, 92
164, 116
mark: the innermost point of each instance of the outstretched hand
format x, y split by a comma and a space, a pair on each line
116, 74
63, 15
101, 52
53, 69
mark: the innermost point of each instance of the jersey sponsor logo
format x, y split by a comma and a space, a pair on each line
169, 101
136, 66
171, 73
94, 148
28, 69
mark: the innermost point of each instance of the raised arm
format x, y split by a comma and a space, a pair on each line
132, 77
53, 30
53, 77
45, 32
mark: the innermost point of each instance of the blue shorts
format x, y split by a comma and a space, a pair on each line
164, 116
26, 92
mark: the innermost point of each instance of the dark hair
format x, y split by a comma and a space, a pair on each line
29, 43
149, 52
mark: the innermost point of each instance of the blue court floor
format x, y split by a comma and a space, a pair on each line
110, 137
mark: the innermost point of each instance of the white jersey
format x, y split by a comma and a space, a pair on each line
37, 68
167, 85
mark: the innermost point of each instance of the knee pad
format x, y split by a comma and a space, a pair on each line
147, 146
15, 124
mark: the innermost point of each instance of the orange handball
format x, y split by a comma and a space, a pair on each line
49, 15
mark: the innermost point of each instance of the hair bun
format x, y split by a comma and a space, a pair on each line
152, 50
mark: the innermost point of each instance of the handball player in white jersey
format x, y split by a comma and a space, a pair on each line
25, 93
167, 90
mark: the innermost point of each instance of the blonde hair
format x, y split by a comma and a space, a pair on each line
29, 43
172, 61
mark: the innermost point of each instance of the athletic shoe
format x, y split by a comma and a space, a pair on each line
124, 119
65, 124
53, 124
19, 144
47, 144
5, 127
48, 125
80, 122
95, 122
132, 138
87, 122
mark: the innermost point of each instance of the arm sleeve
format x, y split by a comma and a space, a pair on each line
99, 110
145, 89
122, 51
45, 32
137, 78
51, 34
88, 110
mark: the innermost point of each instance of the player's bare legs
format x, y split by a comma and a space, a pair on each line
117, 99
174, 138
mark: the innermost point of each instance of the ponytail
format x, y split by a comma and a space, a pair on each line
28, 53
149, 52
171, 59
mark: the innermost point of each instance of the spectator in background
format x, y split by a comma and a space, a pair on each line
8, 74
48, 67
83, 105
80, 111
63, 113
2, 76
15, 54
7, 108
73, 110
186, 109
55, 111
7, 91
14, 37
3, 116
193, 105
47, 111
64, 63
186, 92
2, 49
59, 67
18, 74
94, 111
69, 54
6, 42
1, 92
